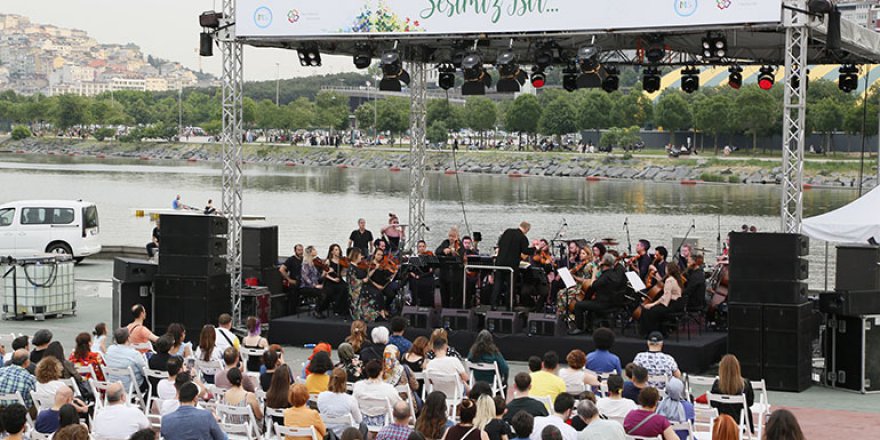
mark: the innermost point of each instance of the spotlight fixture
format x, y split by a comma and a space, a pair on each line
206, 44
735, 80
849, 78
714, 46
544, 57
766, 77
820, 6
651, 80
309, 56
588, 59
690, 79
538, 78
210, 19
393, 73
655, 49
210, 22
446, 76
476, 80
612, 81
363, 57
511, 75
570, 77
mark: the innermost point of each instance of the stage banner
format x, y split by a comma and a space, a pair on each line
303, 19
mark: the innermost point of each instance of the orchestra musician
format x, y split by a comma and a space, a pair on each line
473, 277
392, 233
379, 276
642, 259
512, 246
421, 282
603, 294
363, 306
695, 284
310, 280
670, 301
451, 253
682, 257
584, 275
659, 261
291, 272
335, 289
572, 256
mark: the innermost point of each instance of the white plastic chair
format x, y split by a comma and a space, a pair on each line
87, 372
373, 407
115, 374
155, 374
345, 420
684, 426
449, 384
42, 400
268, 414
246, 353
704, 420
701, 381
407, 393
497, 384
283, 431
208, 367
248, 428
761, 408
738, 399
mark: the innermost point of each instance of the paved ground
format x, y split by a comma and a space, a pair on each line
822, 412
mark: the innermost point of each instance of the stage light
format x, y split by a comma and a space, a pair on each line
849, 78
363, 57
735, 80
539, 78
476, 80
612, 81
766, 77
820, 6
655, 50
588, 59
393, 73
210, 19
544, 57
570, 78
690, 79
511, 76
309, 56
651, 80
446, 76
714, 46
206, 44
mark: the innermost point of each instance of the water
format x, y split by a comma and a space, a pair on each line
320, 206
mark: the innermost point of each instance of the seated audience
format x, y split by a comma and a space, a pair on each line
278, 392
523, 425
656, 362
399, 429
615, 406
189, 422
398, 327
675, 406
48, 376
433, 420
254, 341
40, 341
83, 356
14, 421
639, 382
601, 360
465, 429
72, 432
231, 360
118, 420
373, 387
577, 378
644, 421
336, 403
545, 383
165, 389
782, 425
318, 379
484, 351
180, 347
138, 332
122, 355
271, 361
562, 408
394, 373
208, 351
597, 428
299, 415
236, 395
521, 401
349, 362
376, 349
14, 378
48, 420
358, 335
444, 365
730, 382
725, 428
159, 360
497, 428
440, 333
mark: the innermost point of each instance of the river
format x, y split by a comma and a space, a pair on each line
320, 206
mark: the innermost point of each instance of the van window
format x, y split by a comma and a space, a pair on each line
33, 216
62, 216
90, 217
6, 216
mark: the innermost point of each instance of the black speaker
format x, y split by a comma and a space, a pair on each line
768, 268
259, 246
189, 266
768, 245
131, 270
767, 292
789, 332
850, 303
504, 323
745, 336
458, 319
193, 225
191, 301
125, 296
195, 245
172, 285
421, 317
853, 361
545, 324
857, 268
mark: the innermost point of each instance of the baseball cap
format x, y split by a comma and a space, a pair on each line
655, 338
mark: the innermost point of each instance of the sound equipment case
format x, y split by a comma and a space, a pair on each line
852, 353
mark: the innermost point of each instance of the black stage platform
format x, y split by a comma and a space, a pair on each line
693, 356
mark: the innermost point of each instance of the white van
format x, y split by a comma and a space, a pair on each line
33, 227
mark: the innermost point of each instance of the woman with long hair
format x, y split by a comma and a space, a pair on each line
209, 352
581, 271
336, 402
335, 289
253, 340
363, 307
83, 356
725, 428
100, 343
465, 429
675, 406
379, 276
357, 335
782, 425
669, 302
68, 370
485, 351
349, 362
433, 421
279, 388
180, 347
730, 382
485, 411
392, 232
310, 281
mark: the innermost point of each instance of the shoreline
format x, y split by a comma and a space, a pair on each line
591, 167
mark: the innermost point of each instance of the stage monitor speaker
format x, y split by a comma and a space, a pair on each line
767, 292
256, 302
857, 268
426, 318
193, 246
458, 319
744, 336
188, 266
193, 225
504, 323
768, 245
132, 270
191, 301
545, 324
259, 246
850, 303
125, 296
769, 269
789, 332
853, 362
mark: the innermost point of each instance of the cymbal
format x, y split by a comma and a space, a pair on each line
609, 241
703, 250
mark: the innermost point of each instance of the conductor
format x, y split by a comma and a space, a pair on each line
512, 245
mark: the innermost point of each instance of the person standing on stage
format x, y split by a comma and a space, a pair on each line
451, 253
512, 245
421, 281
291, 274
361, 238
605, 293
392, 232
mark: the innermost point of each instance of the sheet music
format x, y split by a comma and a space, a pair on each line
635, 281
566, 277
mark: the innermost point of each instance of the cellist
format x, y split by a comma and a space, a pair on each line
670, 302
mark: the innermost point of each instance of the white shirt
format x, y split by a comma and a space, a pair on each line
119, 422
221, 342
166, 390
51, 387
375, 389
603, 430
574, 379
568, 433
615, 408
447, 365
169, 406
216, 355
338, 405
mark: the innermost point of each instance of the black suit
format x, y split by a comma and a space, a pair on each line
451, 274
695, 289
608, 290
512, 244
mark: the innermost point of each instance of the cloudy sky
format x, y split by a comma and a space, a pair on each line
165, 28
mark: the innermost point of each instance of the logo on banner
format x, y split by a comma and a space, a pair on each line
723, 4
685, 8
292, 16
263, 17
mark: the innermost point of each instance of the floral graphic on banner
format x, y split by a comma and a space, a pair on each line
724, 4
382, 19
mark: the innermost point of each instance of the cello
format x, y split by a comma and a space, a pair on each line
653, 290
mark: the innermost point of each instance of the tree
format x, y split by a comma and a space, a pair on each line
366, 115
443, 110
826, 117
107, 112
712, 114
332, 110
754, 112
71, 111
267, 115
438, 134
559, 118
480, 115
672, 113
248, 112
523, 116
393, 115
300, 114
633, 108
594, 110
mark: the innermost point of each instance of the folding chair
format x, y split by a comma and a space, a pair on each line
216, 393
155, 374
286, 431
100, 387
739, 399
246, 353
497, 384
761, 408
233, 415
701, 381
407, 393
345, 421
117, 374
87, 372
143, 346
237, 431
268, 414
449, 384
374, 407
704, 420
684, 427
207, 367
42, 400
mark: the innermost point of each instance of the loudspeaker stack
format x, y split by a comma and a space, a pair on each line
132, 284
771, 323
259, 260
192, 286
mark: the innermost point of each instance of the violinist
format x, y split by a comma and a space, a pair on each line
392, 233
572, 255
582, 273
335, 290
379, 276
642, 260
451, 253
659, 262
671, 301
421, 280
473, 277
512, 245
604, 294
310, 281
363, 306
291, 272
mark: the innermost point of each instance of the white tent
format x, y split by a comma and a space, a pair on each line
856, 222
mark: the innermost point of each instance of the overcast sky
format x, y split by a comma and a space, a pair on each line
165, 28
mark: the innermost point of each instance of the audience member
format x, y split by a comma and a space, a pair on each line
349, 362
84, 356
441, 333
449, 366
180, 347
224, 337
72, 432
20, 343
479, 389
497, 428
394, 373
465, 429
48, 376
575, 377
551, 432
122, 355
14, 378
68, 415
535, 363
318, 379
546, 383
337, 403
398, 327
358, 335
562, 408
236, 395
209, 351
730, 382
143, 434
299, 414
521, 402
40, 341
231, 360
353, 433
656, 362
484, 351
376, 349
319, 348
433, 420
14, 419
782, 425
189, 422
117, 420
99, 345
597, 428
399, 429
725, 428
137, 330
485, 410
278, 392
523, 424
68, 370
373, 387
48, 420
159, 360
165, 389
633, 388
601, 360
615, 406
254, 341
644, 421
675, 406
417, 354
270, 363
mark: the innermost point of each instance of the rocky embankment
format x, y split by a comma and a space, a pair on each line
690, 170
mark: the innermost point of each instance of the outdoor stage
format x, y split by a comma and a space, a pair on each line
693, 356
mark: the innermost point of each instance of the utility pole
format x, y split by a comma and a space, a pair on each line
180, 109
277, 82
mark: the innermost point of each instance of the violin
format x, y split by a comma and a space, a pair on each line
543, 257
427, 254
321, 265
346, 263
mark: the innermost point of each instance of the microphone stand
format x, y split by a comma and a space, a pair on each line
693, 227
629, 247
558, 236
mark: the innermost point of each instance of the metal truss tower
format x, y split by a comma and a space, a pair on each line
231, 140
794, 113
418, 124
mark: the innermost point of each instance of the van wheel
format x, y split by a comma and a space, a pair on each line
59, 248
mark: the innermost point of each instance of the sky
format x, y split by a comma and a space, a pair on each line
167, 29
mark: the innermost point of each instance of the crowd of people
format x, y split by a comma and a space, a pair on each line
134, 384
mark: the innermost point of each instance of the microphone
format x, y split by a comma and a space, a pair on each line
564, 222
626, 222
694, 224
